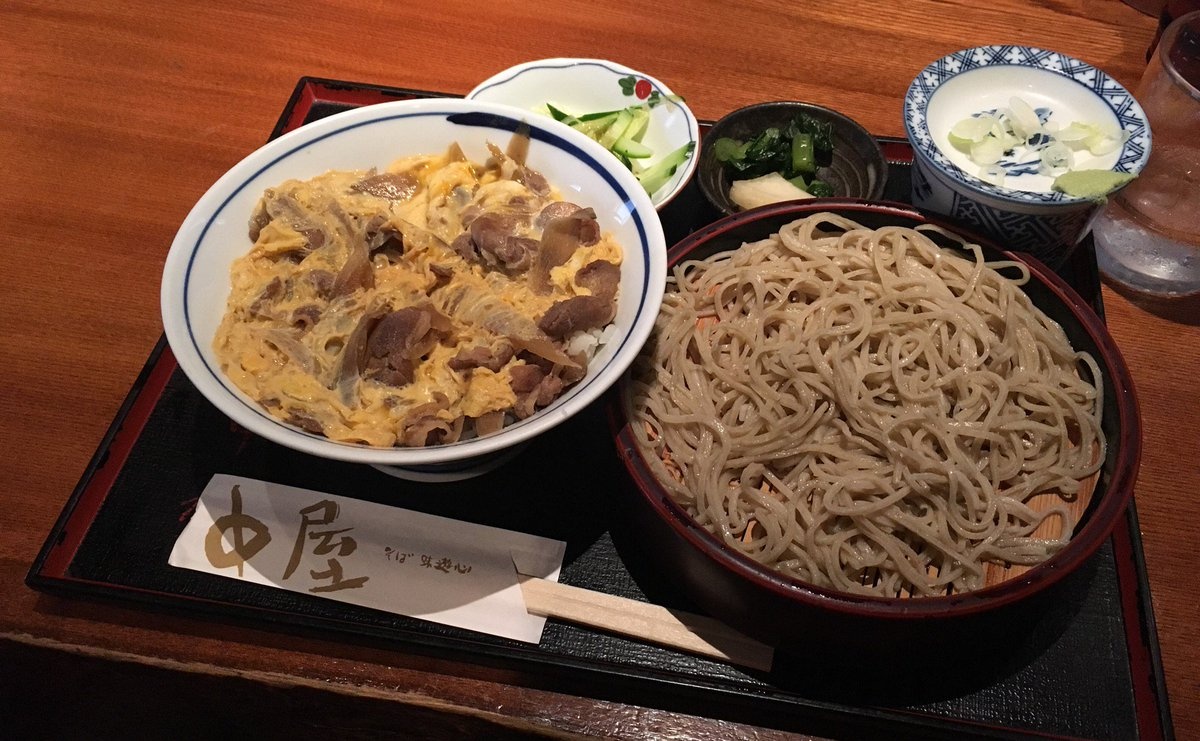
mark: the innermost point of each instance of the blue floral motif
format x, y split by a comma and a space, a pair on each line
921, 187
1130, 116
1029, 160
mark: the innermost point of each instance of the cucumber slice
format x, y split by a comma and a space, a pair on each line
596, 126
621, 132
637, 127
597, 114
558, 115
632, 149
614, 133
657, 175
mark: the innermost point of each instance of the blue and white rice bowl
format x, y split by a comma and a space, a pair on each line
1023, 212
196, 277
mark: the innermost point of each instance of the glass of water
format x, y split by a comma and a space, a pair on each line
1148, 235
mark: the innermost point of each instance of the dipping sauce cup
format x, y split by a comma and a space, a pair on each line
1023, 210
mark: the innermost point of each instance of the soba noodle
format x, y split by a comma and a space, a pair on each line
865, 410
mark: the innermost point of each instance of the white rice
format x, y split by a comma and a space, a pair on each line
590, 342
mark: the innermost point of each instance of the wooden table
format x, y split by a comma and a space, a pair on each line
118, 115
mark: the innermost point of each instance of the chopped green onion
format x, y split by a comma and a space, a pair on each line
972, 129
1018, 132
1075, 132
1056, 159
987, 151
1024, 118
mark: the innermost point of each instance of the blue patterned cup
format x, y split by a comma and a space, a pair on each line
1019, 207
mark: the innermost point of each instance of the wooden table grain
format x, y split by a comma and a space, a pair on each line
116, 116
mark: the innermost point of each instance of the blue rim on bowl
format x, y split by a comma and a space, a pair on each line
196, 274
1126, 110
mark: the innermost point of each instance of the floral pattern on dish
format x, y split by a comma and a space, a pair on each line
588, 85
1013, 70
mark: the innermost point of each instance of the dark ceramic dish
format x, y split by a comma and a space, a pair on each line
858, 169
778, 609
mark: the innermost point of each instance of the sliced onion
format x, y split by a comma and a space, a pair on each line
987, 152
1000, 128
1019, 130
1104, 141
1003, 132
1074, 133
1056, 159
1025, 119
972, 129
1102, 145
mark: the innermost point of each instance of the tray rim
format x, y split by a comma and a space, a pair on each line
49, 571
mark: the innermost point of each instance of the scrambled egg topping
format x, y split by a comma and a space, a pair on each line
373, 308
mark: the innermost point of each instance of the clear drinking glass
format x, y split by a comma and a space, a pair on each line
1148, 235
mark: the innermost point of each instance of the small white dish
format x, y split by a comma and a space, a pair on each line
1024, 212
196, 276
581, 86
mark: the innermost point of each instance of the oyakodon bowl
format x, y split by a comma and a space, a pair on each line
857, 170
1023, 212
196, 277
787, 612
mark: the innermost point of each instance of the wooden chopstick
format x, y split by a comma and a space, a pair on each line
684, 631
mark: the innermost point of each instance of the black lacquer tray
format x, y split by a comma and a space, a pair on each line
1086, 667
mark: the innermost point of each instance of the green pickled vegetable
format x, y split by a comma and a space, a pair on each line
820, 189
803, 158
822, 134
796, 151
729, 149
